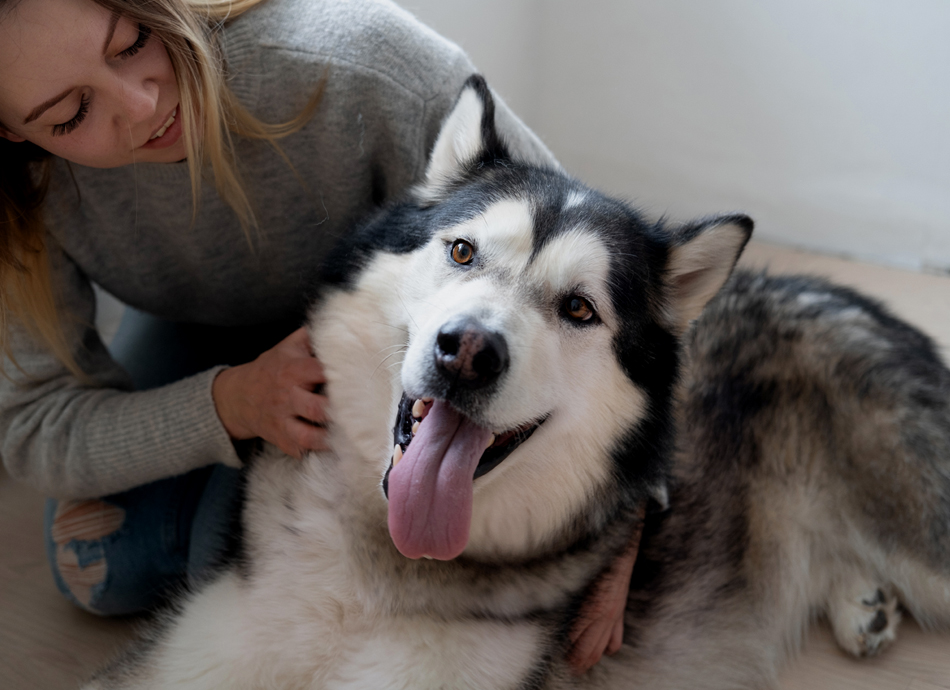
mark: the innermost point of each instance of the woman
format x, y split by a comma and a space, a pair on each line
138, 152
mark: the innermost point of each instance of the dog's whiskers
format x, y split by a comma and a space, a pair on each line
408, 313
389, 325
391, 347
387, 358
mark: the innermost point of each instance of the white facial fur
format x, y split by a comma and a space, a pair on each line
556, 369
360, 337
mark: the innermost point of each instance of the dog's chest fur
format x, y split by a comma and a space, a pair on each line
350, 627
365, 616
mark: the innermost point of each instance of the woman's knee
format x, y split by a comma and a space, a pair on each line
76, 534
129, 552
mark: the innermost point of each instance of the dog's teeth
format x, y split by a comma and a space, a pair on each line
397, 454
418, 407
427, 400
428, 558
491, 441
415, 427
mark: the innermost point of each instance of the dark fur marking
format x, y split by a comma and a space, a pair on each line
493, 148
537, 677
379, 191
127, 663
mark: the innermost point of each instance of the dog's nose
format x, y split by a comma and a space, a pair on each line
468, 353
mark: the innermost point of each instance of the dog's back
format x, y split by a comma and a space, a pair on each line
812, 478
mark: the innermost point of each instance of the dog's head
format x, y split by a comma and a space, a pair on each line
543, 321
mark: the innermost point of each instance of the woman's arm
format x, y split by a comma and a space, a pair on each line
71, 440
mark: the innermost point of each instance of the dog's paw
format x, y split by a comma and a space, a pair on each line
864, 618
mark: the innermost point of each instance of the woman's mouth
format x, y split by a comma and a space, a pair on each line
166, 135
168, 123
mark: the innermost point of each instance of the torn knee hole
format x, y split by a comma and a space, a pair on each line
80, 580
85, 520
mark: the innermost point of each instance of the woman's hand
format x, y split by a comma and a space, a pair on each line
273, 397
599, 626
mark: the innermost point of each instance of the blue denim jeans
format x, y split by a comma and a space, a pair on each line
128, 552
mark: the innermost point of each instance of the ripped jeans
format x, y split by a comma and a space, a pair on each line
128, 552
125, 553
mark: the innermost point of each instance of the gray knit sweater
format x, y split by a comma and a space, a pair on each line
130, 229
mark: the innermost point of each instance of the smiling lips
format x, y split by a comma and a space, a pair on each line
167, 135
168, 123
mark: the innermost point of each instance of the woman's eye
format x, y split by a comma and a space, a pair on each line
462, 252
67, 127
577, 308
144, 33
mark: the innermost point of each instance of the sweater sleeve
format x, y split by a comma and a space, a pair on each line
70, 440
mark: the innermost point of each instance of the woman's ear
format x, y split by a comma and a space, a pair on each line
7, 134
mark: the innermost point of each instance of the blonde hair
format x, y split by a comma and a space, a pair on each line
210, 115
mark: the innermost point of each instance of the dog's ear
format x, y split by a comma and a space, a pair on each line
699, 262
468, 138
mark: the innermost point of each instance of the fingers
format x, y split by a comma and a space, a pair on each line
299, 339
589, 648
300, 437
307, 371
616, 638
298, 342
296, 362
592, 641
594, 632
599, 628
578, 657
308, 406
273, 397
304, 423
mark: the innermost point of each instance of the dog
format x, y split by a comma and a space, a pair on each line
518, 366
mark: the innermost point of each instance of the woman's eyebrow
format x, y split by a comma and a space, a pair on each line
46, 105
113, 20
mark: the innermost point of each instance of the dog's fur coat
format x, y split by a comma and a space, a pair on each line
791, 438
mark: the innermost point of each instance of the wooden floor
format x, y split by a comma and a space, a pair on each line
47, 644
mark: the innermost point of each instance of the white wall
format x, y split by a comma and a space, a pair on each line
503, 37
827, 120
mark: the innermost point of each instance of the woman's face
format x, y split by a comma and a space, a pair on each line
87, 86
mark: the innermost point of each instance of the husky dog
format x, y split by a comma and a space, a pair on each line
517, 365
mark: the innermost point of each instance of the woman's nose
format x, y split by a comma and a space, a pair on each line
139, 100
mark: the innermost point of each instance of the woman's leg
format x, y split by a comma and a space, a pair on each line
127, 552
124, 553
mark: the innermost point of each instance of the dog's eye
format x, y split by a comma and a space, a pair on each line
577, 308
462, 252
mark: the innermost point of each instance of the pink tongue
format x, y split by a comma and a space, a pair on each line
430, 490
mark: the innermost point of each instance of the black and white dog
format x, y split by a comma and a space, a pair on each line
517, 365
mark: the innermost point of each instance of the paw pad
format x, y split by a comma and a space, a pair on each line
864, 625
